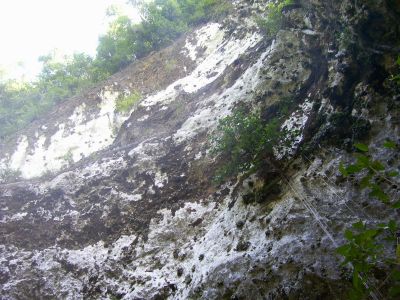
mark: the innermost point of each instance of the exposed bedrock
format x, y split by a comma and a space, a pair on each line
122, 205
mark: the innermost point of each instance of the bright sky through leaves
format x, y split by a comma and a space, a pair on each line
31, 28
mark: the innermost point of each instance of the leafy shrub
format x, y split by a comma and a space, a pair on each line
396, 77
375, 171
364, 249
245, 140
116, 49
124, 104
195, 11
23, 102
345, 38
163, 21
272, 23
170, 65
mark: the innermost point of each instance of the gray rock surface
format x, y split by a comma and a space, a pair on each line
135, 214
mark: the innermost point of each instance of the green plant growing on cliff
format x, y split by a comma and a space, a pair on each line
374, 171
22, 102
396, 77
116, 48
125, 103
245, 140
365, 250
163, 21
273, 21
345, 38
170, 65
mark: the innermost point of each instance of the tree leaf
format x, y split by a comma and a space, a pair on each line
343, 170
396, 205
396, 275
362, 159
370, 233
348, 235
393, 173
352, 169
377, 165
392, 226
356, 281
378, 193
366, 181
394, 291
361, 147
359, 225
389, 144
343, 250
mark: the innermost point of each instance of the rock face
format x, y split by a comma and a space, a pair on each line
122, 206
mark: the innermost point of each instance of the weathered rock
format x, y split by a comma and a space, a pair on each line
136, 216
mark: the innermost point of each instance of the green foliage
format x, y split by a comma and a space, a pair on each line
364, 248
124, 104
362, 251
361, 147
195, 11
396, 77
15, 110
272, 23
163, 21
59, 80
373, 171
389, 145
23, 102
116, 49
245, 140
170, 65
345, 38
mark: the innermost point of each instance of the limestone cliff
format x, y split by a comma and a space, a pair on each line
122, 206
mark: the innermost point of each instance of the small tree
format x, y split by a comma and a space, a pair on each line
245, 140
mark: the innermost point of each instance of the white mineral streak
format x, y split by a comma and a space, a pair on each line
220, 105
78, 116
208, 37
77, 178
130, 197
15, 217
293, 127
74, 140
89, 258
160, 179
221, 56
219, 239
83, 135
199, 236
19, 155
